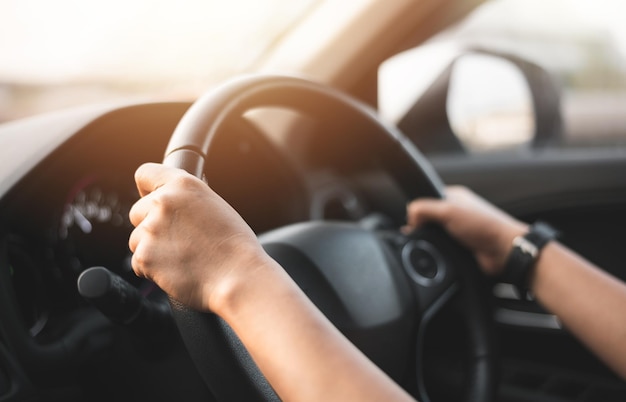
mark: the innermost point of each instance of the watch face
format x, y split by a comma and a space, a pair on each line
524, 254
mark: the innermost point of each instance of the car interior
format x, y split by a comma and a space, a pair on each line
354, 110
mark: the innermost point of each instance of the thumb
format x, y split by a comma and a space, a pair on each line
151, 176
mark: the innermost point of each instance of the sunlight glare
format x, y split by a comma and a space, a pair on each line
145, 40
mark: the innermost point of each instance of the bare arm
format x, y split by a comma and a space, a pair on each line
200, 251
588, 301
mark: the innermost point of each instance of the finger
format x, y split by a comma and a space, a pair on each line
151, 176
142, 260
137, 267
139, 210
135, 237
426, 210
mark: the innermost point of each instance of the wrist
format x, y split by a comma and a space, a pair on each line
513, 230
236, 286
501, 246
523, 256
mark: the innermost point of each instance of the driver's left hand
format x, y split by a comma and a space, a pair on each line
187, 239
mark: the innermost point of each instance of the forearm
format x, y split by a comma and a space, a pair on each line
589, 302
303, 356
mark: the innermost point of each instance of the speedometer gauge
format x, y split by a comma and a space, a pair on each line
94, 226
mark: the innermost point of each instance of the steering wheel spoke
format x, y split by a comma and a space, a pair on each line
428, 259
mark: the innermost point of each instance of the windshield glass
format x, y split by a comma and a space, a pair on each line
55, 54
580, 44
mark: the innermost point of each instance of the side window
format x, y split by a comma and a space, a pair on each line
554, 76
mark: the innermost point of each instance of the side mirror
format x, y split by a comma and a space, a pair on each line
475, 101
489, 104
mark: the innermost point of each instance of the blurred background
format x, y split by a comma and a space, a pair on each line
57, 54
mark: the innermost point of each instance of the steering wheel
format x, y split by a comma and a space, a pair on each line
379, 287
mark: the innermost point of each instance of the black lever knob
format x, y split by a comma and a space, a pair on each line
121, 302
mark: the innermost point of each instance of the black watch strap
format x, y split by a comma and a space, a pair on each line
524, 254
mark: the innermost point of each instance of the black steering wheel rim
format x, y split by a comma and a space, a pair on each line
216, 350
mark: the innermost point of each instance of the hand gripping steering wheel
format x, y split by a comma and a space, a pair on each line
380, 288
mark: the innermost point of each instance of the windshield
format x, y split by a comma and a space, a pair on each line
56, 54
581, 44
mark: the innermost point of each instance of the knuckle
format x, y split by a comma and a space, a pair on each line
136, 266
173, 197
141, 260
166, 201
186, 182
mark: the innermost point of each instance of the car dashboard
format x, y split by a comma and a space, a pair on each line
65, 206
66, 187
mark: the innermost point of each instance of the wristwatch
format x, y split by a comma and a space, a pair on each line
524, 254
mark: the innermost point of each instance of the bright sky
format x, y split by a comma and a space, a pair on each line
194, 43
571, 20
608, 14
43, 40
